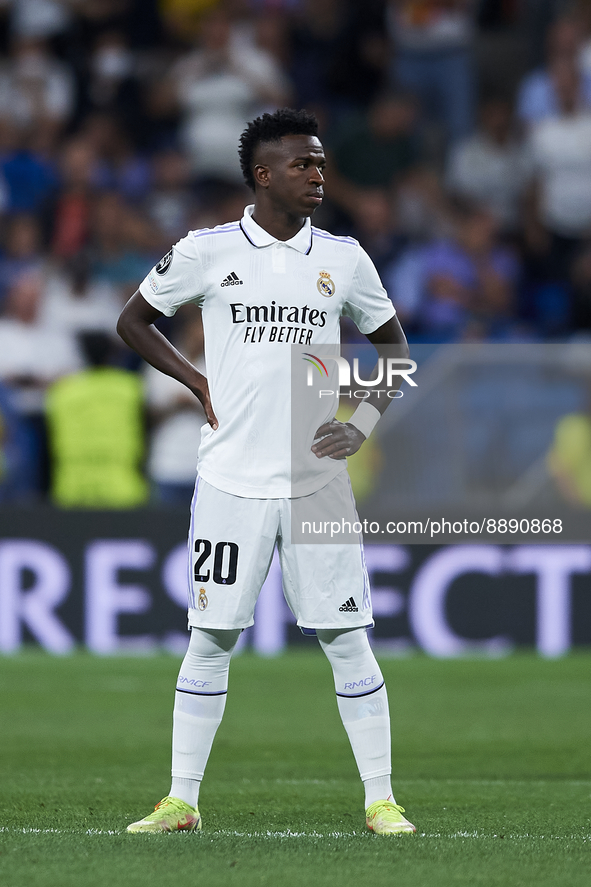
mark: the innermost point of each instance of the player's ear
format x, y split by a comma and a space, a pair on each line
261, 175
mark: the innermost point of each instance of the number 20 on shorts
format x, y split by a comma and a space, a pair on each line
225, 561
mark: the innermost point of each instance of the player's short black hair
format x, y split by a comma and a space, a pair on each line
272, 128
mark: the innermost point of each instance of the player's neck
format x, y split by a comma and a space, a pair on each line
277, 222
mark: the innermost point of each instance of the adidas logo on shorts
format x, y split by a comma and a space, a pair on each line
232, 280
349, 607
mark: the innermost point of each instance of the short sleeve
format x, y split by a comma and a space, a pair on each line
176, 280
367, 304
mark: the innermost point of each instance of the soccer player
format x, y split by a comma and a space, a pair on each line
265, 283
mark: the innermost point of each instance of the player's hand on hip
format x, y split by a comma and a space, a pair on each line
337, 440
209, 413
201, 391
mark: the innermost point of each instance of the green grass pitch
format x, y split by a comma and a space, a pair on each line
491, 761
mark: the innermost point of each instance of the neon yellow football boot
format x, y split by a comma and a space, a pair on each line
170, 815
385, 818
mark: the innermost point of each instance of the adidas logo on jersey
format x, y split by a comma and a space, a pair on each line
232, 280
349, 607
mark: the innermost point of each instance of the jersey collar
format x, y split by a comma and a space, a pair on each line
302, 242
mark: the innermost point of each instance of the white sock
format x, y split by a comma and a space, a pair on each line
378, 789
363, 706
200, 700
185, 789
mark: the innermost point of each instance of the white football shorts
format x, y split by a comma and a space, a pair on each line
231, 545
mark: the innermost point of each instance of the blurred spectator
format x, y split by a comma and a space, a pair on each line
490, 166
170, 201
120, 243
559, 204
405, 281
422, 205
537, 16
96, 434
30, 178
39, 19
31, 357
177, 418
22, 253
74, 302
317, 28
339, 54
433, 57
569, 459
501, 47
111, 83
375, 226
72, 212
539, 93
272, 35
219, 86
118, 166
36, 90
18, 460
360, 59
374, 151
463, 288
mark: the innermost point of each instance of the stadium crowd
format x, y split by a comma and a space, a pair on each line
459, 142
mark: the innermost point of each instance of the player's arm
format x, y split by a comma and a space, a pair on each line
342, 439
136, 328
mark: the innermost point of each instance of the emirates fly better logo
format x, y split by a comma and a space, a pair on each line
388, 370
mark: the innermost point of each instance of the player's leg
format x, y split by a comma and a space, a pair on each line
363, 706
200, 700
327, 587
231, 544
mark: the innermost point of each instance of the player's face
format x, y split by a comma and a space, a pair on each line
291, 172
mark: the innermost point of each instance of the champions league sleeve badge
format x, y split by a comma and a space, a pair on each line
164, 264
325, 285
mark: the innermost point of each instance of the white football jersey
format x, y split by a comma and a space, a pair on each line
259, 297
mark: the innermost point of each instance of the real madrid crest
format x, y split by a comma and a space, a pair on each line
325, 285
202, 601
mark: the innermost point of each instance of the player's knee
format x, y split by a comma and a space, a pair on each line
205, 668
355, 669
207, 645
210, 641
344, 644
